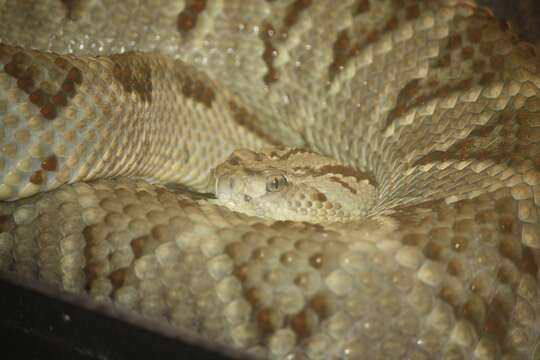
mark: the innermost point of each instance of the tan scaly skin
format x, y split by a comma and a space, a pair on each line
430, 111
293, 184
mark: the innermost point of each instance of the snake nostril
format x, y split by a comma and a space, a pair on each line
247, 198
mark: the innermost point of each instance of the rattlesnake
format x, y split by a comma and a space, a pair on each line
293, 184
435, 103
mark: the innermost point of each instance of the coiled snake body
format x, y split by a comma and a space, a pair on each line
429, 111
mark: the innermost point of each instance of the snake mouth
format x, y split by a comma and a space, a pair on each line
232, 192
223, 189
223, 186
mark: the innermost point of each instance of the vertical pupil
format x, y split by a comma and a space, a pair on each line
276, 183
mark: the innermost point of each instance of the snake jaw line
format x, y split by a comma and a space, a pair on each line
279, 184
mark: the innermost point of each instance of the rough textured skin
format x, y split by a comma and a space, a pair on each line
524, 16
75, 118
293, 184
437, 100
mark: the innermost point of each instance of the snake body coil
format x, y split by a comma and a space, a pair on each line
427, 111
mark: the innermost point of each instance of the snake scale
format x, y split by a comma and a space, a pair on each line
437, 103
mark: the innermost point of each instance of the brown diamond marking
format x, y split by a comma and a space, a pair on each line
418, 92
264, 322
268, 34
187, 18
528, 262
134, 74
138, 246
294, 12
300, 324
20, 66
454, 41
363, 6
71, 7
412, 12
466, 148
467, 53
345, 49
37, 177
319, 304
270, 52
118, 277
248, 121
50, 163
198, 90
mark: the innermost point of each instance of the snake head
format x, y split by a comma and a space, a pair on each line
293, 184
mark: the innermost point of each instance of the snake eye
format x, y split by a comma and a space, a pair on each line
276, 183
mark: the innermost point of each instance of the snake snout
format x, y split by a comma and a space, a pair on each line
228, 187
224, 187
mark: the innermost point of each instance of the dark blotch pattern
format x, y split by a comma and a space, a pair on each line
248, 121
21, 66
187, 18
269, 34
198, 90
134, 74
